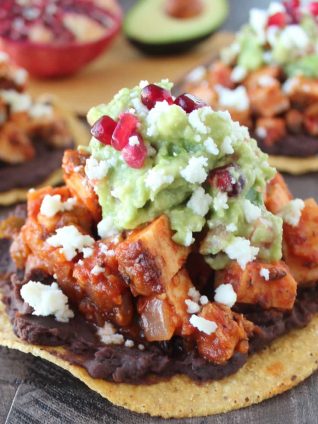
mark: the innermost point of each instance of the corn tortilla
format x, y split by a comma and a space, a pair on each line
80, 137
294, 166
279, 367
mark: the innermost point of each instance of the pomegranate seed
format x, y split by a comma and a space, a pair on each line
125, 128
103, 129
152, 94
221, 179
135, 154
189, 103
313, 8
278, 19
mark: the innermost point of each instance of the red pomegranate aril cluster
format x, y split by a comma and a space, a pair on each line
222, 179
152, 93
126, 127
118, 134
103, 129
189, 103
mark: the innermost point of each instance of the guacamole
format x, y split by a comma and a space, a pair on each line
201, 169
282, 35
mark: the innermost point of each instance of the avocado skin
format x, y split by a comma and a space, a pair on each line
166, 49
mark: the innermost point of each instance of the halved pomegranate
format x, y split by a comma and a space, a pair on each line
52, 39
152, 93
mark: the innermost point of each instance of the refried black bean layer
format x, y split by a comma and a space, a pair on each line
119, 363
33, 172
294, 145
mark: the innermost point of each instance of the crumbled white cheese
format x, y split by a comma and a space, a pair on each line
4, 57
197, 74
268, 57
226, 295
240, 249
220, 201
272, 35
133, 141
141, 347
105, 228
188, 239
20, 76
129, 343
291, 213
40, 110
108, 336
264, 272
203, 325
229, 54
154, 115
211, 146
227, 147
51, 205
238, 74
251, 211
143, 84
87, 252
156, 178
231, 228
289, 85
193, 307
294, 37
46, 300
234, 99
97, 170
258, 21
196, 121
194, 294
204, 300
17, 101
70, 240
195, 171
261, 132
200, 202
266, 81
97, 270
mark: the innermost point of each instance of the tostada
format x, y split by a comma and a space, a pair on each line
173, 273
268, 80
33, 135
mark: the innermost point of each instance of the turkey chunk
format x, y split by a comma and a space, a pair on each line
149, 258
268, 285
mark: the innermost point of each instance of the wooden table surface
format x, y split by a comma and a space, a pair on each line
33, 391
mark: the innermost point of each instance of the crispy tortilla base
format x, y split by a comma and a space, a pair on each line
80, 136
295, 166
287, 362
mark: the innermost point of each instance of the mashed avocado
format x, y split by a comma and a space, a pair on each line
202, 170
271, 37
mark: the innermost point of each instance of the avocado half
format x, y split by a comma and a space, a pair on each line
149, 28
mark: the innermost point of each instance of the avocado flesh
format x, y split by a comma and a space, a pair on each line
149, 27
